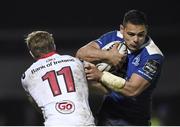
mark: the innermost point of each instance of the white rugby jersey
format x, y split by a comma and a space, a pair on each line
58, 85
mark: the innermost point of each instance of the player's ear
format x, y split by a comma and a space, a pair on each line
31, 54
121, 29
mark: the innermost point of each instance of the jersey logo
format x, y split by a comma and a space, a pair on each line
65, 107
136, 60
151, 67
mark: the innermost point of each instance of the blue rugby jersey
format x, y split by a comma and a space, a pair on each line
147, 63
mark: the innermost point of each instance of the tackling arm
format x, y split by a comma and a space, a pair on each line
133, 87
92, 53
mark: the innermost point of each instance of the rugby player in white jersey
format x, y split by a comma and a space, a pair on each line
56, 83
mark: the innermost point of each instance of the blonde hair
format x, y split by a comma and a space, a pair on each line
40, 42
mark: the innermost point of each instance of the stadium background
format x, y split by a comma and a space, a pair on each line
73, 24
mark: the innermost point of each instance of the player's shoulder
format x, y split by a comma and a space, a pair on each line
25, 74
70, 57
152, 52
27, 71
114, 33
109, 37
67, 57
152, 48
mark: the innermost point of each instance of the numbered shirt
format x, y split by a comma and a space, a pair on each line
58, 85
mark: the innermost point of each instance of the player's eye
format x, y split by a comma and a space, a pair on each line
141, 35
131, 34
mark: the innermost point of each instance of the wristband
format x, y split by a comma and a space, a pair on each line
112, 81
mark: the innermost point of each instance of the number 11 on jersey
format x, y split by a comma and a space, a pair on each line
51, 76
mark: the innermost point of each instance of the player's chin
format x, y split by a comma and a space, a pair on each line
133, 49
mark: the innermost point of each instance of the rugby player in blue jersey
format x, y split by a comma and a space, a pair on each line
130, 97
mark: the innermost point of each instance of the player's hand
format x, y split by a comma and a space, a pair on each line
116, 58
92, 73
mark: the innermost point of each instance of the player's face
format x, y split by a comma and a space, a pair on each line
134, 35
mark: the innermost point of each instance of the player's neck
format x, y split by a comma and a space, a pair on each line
47, 55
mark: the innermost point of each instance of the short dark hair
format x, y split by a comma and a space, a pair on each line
135, 17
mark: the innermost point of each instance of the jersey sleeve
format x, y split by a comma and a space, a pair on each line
150, 67
107, 38
24, 82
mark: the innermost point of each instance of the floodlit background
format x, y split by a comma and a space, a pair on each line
73, 24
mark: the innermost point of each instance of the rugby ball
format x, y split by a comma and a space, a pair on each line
122, 49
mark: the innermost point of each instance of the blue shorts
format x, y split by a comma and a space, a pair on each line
111, 116
120, 122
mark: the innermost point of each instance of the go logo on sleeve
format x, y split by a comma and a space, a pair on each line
65, 107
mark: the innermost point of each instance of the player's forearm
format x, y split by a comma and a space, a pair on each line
111, 81
118, 84
129, 90
122, 86
92, 54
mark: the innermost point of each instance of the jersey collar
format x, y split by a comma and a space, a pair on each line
147, 41
47, 55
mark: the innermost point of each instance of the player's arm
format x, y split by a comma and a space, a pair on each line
133, 87
34, 104
31, 100
91, 52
